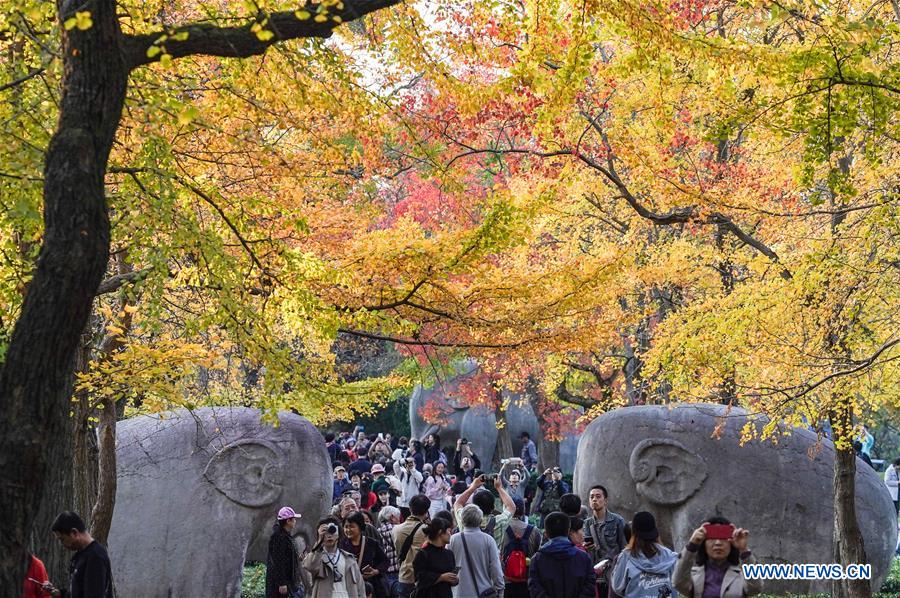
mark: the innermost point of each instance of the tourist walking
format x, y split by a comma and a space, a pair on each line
282, 559
477, 556
560, 569
710, 564
434, 565
408, 538
335, 573
644, 568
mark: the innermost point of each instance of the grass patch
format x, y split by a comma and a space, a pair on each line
253, 584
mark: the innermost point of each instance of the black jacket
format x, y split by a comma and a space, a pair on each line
430, 563
374, 556
90, 573
282, 563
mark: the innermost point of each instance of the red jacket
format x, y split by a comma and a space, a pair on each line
36, 570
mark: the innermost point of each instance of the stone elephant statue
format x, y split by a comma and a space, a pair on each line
664, 460
198, 493
479, 424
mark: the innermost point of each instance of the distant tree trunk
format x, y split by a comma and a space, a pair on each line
102, 511
85, 450
849, 544
504, 448
36, 379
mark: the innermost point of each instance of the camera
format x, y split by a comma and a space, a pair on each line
511, 461
489, 478
465, 441
332, 529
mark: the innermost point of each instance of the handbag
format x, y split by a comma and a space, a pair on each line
490, 592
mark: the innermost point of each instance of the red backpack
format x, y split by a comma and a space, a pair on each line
515, 566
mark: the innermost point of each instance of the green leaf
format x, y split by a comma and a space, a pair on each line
153, 51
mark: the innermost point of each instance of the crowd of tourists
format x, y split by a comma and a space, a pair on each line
410, 520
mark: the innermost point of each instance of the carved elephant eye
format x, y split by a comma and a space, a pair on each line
249, 472
665, 472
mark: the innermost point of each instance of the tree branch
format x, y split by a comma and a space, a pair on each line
34, 73
426, 343
241, 42
114, 283
566, 396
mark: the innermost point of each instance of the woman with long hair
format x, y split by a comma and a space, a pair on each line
711, 562
644, 568
437, 485
434, 565
368, 553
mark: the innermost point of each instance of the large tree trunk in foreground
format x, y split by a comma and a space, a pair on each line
849, 545
58, 496
36, 380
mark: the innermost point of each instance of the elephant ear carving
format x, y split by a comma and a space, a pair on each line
665, 472
249, 472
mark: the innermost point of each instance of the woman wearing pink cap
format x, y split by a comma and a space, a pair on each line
283, 576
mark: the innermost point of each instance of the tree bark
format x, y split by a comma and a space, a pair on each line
849, 544
36, 380
504, 441
102, 512
58, 497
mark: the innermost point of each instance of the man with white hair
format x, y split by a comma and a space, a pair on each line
477, 555
388, 517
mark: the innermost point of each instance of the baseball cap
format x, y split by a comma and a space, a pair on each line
287, 513
340, 468
378, 468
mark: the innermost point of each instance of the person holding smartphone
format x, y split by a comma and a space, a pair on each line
435, 566
368, 553
711, 562
335, 573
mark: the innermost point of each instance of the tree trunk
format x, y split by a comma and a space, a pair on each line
85, 449
849, 545
36, 380
101, 514
58, 497
504, 448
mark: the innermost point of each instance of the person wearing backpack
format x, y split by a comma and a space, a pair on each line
644, 569
520, 541
408, 539
560, 569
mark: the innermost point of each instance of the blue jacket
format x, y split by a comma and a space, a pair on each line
559, 569
339, 487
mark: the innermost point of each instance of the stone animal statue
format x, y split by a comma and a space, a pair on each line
664, 460
198, 493
479, 424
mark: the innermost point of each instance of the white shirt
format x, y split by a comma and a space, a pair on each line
339, 588
892, 481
